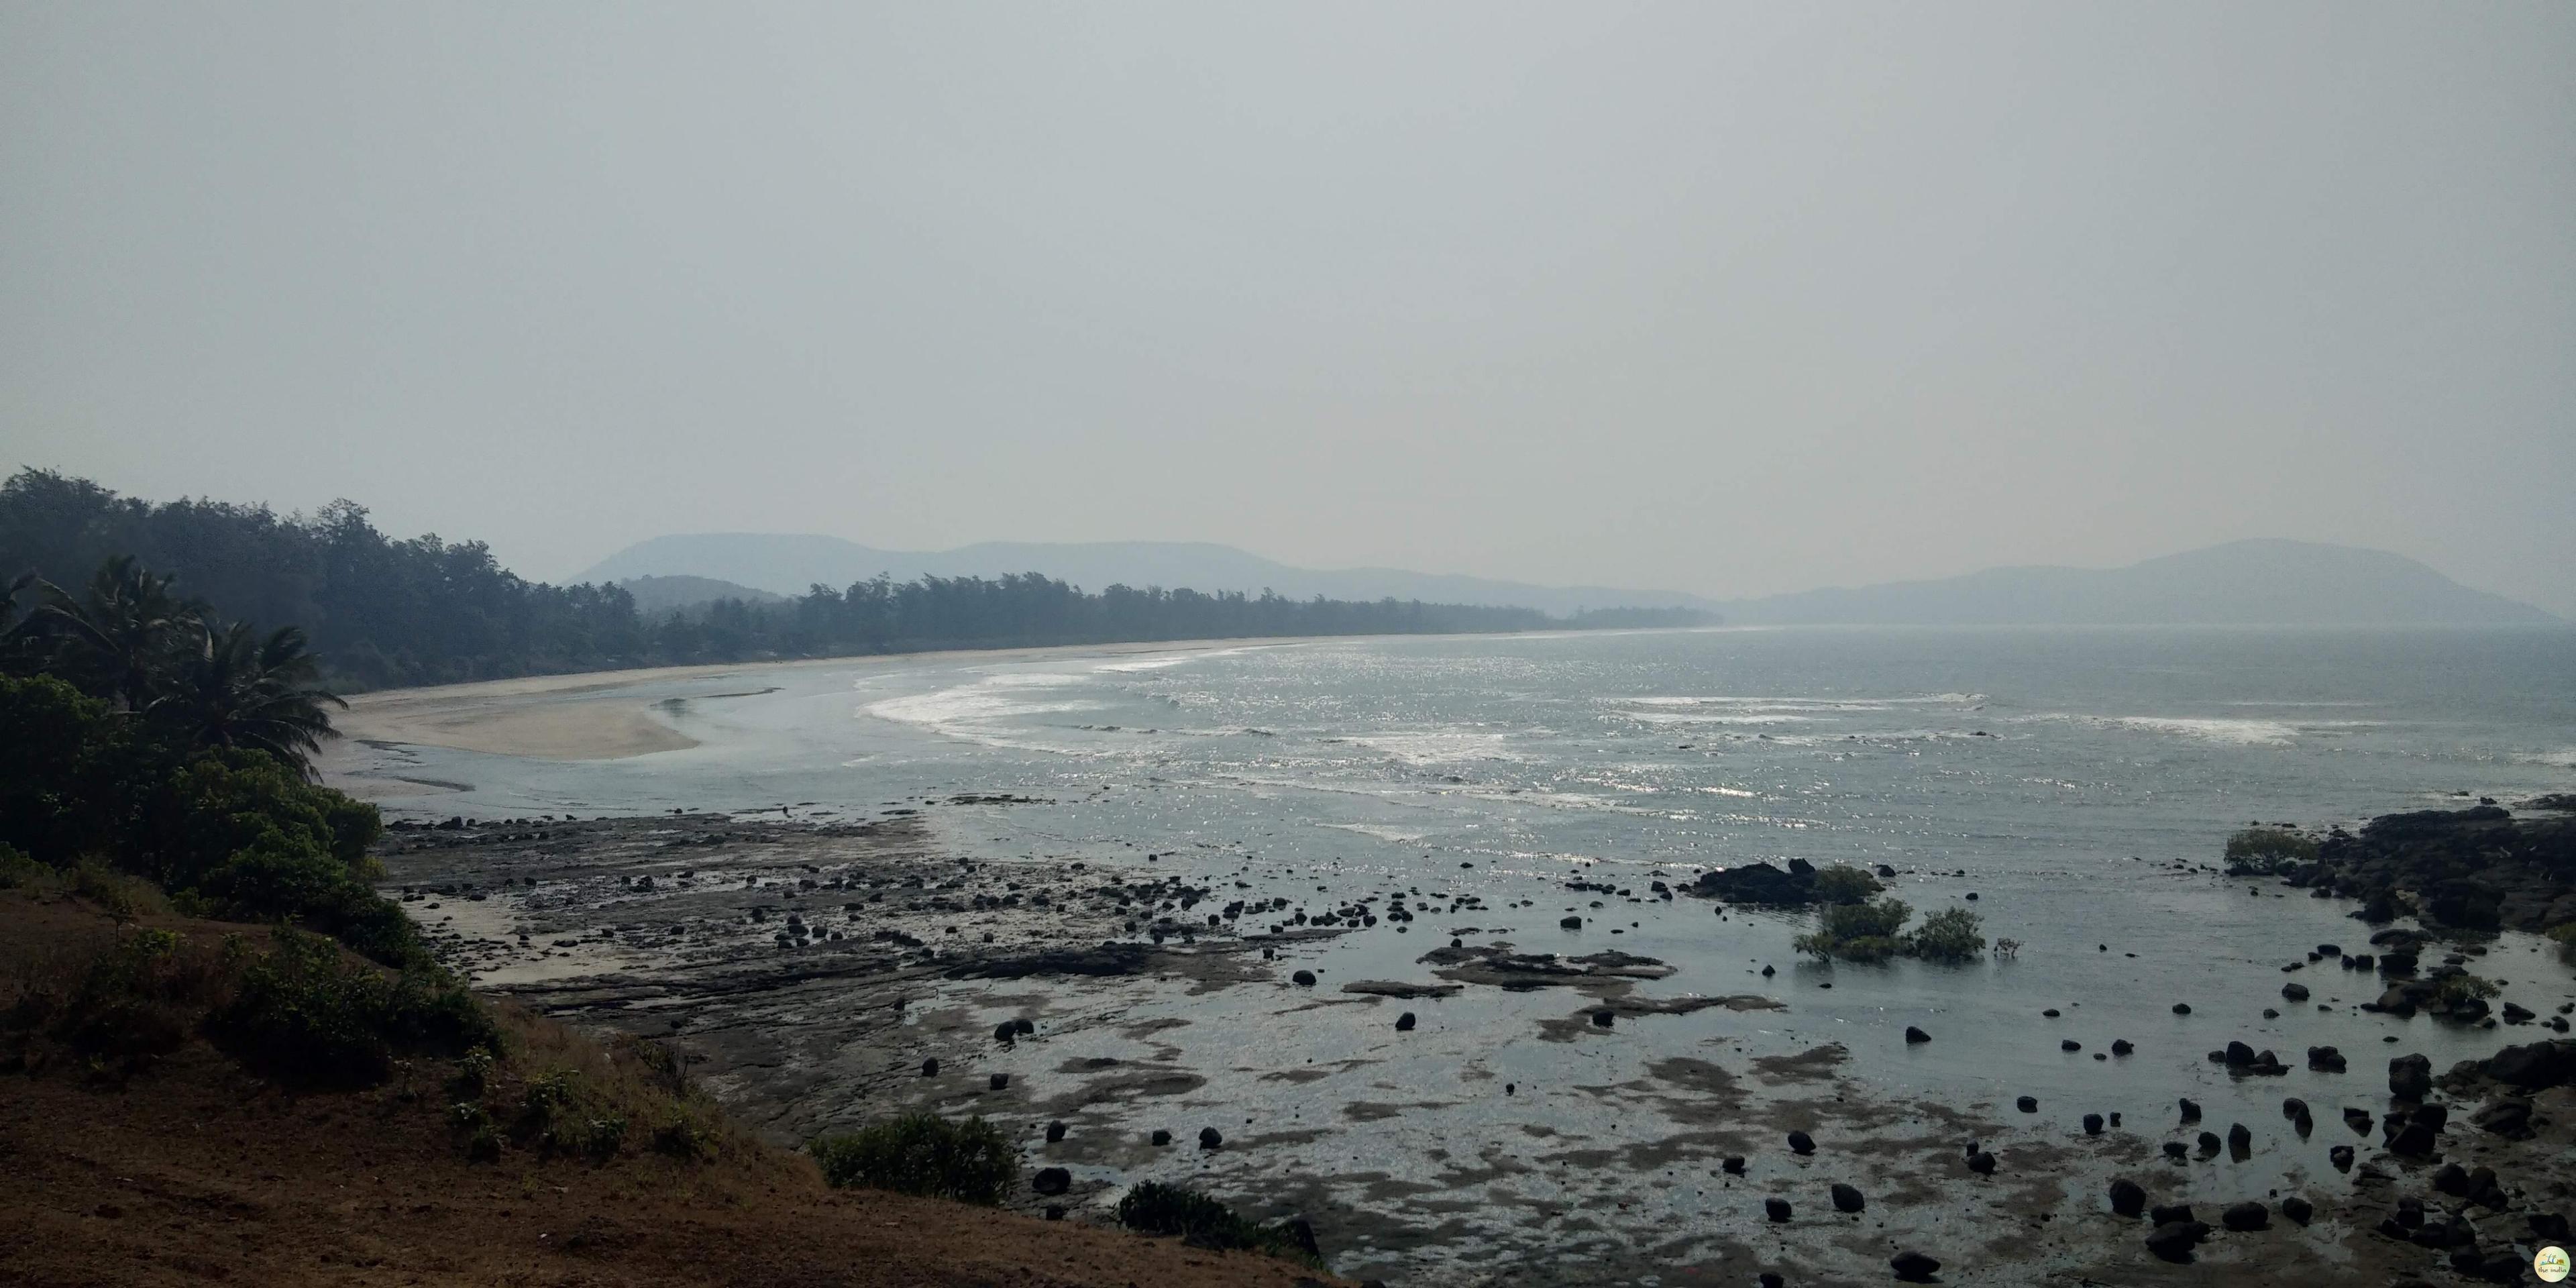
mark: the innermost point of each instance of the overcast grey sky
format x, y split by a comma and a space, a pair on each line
1729, 299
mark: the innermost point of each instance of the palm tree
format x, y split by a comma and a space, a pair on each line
234, 689
16, 641
117, 639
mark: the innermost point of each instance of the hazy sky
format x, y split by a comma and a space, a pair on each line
1728, 299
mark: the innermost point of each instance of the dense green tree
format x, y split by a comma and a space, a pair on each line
386, 611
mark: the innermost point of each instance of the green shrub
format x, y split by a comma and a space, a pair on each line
1856, 931
138, 998
2268, 851
2464, 987
920, 1153
682, 1136
307, 1014
17, 871
1156, 1208
1842, 883
1950, 935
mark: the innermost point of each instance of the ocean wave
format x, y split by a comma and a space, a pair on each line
1438, 746
2241, 731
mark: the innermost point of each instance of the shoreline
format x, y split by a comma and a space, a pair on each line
542, 717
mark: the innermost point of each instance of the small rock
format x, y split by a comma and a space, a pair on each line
1801, 1143
1051, 1181
1210, 1138
1914, 1035
2128, 1198
1847, 1198
1913, 1267
2027, 1104
1776, 1209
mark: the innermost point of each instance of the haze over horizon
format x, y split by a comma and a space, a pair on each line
1728, 302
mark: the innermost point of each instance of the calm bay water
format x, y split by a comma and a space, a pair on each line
2059, 774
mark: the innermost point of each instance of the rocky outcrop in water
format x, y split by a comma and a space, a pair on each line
2473, 869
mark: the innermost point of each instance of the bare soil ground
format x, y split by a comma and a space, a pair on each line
192, 1171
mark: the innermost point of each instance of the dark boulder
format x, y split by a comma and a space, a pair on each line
1571, 923
2128, 1198
1734, 1164
2027, 1104
1776, 1209
2295, 992
2190, 1110
1051, 1181
1303, 979
2325, 1059
1914, 1267
2092, 1124
1210, 1138
2410, 1077
2239, 1055
2245, 1216
1982, 1163
1404, 1023
2341, 1157
1160, 1137
1055, 1132
2182, 1008
2121, 1046
2175, 1149
1913, 1035
1847, 1198
1801, 1143
999, 1081
2167, 1214
2299, 1210
2173, 1241
930, 1068
2534, 1067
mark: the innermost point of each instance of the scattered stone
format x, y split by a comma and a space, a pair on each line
2092, 1124
2027, 1104
1847, 1198
2121, 1046
1776, 1209
1051, 1181
1210, 1138
2128, 1198
2299, 1210
1914, 1267
1303, 979
930, 1068
1055, 1132
1914, 1035
1160, 1137
1801, 1143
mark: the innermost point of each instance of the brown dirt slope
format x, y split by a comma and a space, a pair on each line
184, 1168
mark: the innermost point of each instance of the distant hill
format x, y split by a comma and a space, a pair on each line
788, 564
2267, 582
656, 596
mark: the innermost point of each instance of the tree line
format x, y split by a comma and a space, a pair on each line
380, 611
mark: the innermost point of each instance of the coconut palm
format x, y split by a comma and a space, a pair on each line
232, 688
16, 641
116, 639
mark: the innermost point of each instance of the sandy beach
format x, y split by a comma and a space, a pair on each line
590, 715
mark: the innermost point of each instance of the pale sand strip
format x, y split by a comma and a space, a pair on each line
584, 717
